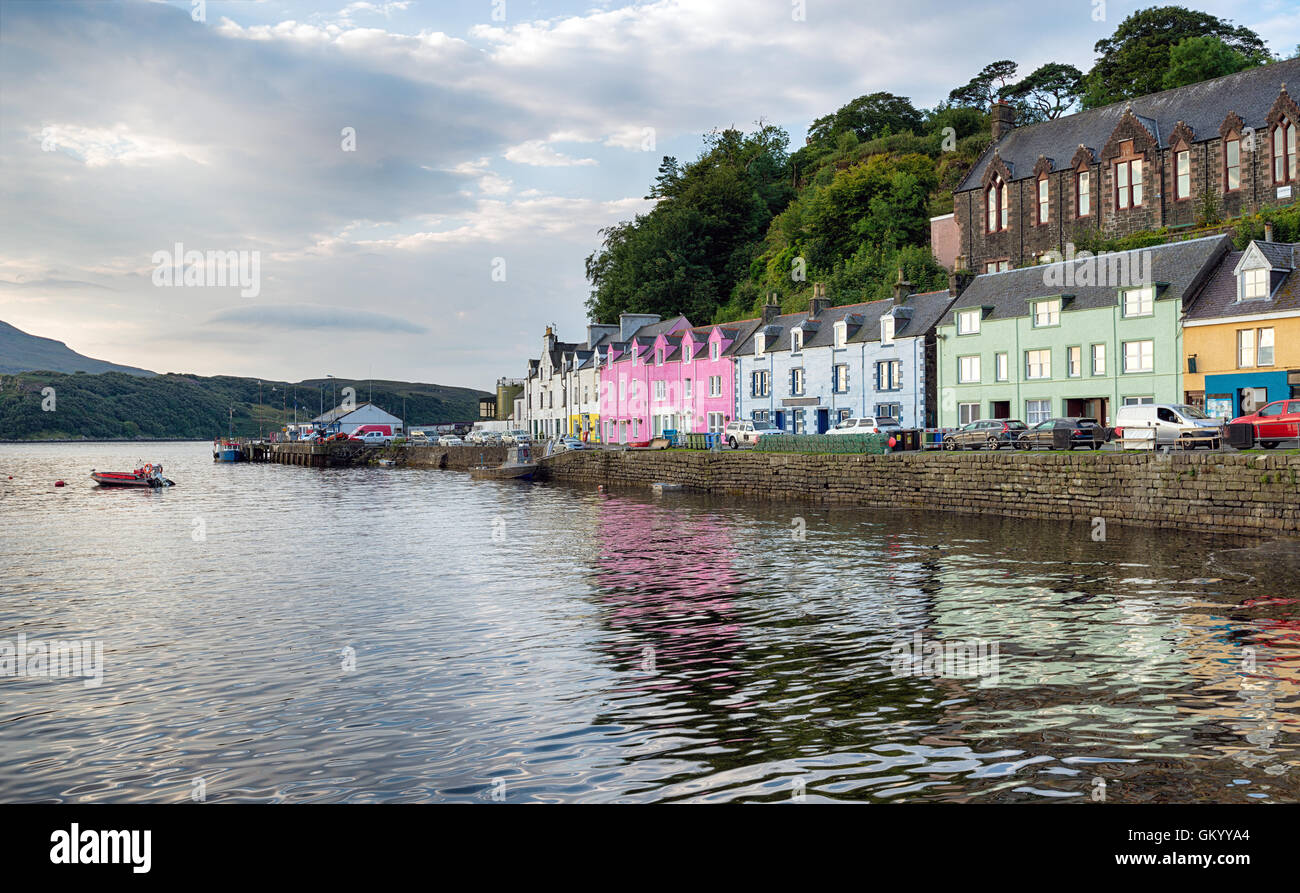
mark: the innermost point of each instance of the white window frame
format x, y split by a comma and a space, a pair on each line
1039, 359
1255, 284
1041, 414
1138, 302
1002, 366
1052, 314
968, 322
968, 369
1098, 353
1142, 353
715, 385
1074, 361
967, 413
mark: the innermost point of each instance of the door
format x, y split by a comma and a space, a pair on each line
823, 420
780, 419
1001, 409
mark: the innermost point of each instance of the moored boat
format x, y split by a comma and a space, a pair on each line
226, 451
519, 465
147, 475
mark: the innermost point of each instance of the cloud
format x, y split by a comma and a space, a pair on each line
308, 316
539, 154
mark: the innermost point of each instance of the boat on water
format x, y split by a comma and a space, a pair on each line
226, 451
147, 475
519, 465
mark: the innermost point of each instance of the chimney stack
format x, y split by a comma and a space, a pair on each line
549, 339
1003, 116
958, 280
1268, 232
771, 310
819, 303
902, 288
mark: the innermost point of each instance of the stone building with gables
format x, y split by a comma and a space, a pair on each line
1147, 163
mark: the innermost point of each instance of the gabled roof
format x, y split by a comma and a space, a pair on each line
1219, 297
1182, 267
342, 412
1203, 107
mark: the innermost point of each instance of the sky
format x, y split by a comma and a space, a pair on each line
415, 183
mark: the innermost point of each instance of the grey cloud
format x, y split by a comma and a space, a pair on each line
309, 316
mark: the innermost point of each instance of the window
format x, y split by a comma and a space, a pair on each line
715, 423
1254, 348
1139, 356
1043, 205
1232, 164
967, 413
997, 266
1074, 361
840, 378
996, 200
889, 411
968, 322
1038, 364
841, 333
796, 382
659, 357
1139, 401
715, 385
1128, 182
661, 390
968, 369
886, 330
1284, 152
761, 384
1182, 174
1084, 195
1037, 411
760, 344
761, 415
1001, 366
796, 416
1099, 359
1139, 301
1047, 313
796, 341
688, 353
686, 388
889, 374
715, 350
1255, 284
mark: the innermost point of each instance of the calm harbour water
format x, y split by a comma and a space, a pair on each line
548, 643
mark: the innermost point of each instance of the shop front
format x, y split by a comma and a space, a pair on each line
1240, 393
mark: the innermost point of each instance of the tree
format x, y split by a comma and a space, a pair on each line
1049, 92
1197, 59
1135, 59
869, 116
983, 89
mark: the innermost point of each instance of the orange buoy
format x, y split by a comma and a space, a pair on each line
892, 443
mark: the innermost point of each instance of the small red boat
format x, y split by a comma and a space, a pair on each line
148, 475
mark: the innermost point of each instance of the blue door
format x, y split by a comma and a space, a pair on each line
823, 420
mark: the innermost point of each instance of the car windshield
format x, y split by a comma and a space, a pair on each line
1190, 411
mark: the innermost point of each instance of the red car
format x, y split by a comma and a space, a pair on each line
1274, 422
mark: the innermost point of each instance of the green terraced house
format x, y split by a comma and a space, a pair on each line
1079, 337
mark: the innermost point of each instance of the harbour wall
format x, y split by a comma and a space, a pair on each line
343, 453
1243, 493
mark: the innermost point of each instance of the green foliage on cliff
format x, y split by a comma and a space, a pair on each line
113, 405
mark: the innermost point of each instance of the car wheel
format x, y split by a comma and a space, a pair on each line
731, 442
994, 443
1096, 445
1269, 444
950, 445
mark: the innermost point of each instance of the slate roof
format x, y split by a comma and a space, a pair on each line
863, 319
1203, 107
1219, 297
1182, 267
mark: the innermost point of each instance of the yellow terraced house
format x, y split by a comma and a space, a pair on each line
1241, 335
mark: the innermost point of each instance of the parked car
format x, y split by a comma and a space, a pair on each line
419, 438
746, 433
309, 437
570, 443
340, 435
1083, 433
450, 440
1274, 422
867, 425
518, 435
1171, 422
372, 438
990, 433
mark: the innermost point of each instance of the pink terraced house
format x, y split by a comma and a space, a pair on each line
670, 377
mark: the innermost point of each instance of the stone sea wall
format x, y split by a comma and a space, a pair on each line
1238, 493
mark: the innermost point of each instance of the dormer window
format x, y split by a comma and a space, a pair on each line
1047, 313
688, 352
1138, 301
1083, 197
1182, 174
1284, 152
1255, 284
1128, 178
886, 330
715, 350
760, 344
968, 322
634, 353
996, 199
841, 333
796, 341
1232, 163
659, 357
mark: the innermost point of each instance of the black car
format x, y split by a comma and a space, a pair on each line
1082, 433
991, 433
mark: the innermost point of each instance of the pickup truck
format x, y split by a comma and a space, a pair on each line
1274, 422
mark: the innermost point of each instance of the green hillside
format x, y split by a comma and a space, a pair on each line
114, 405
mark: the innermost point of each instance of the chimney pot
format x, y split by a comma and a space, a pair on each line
1003, 119
902, 288
819, 303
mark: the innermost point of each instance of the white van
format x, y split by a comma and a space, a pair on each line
1170, 423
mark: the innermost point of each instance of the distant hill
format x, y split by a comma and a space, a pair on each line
21, 352
114, 405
